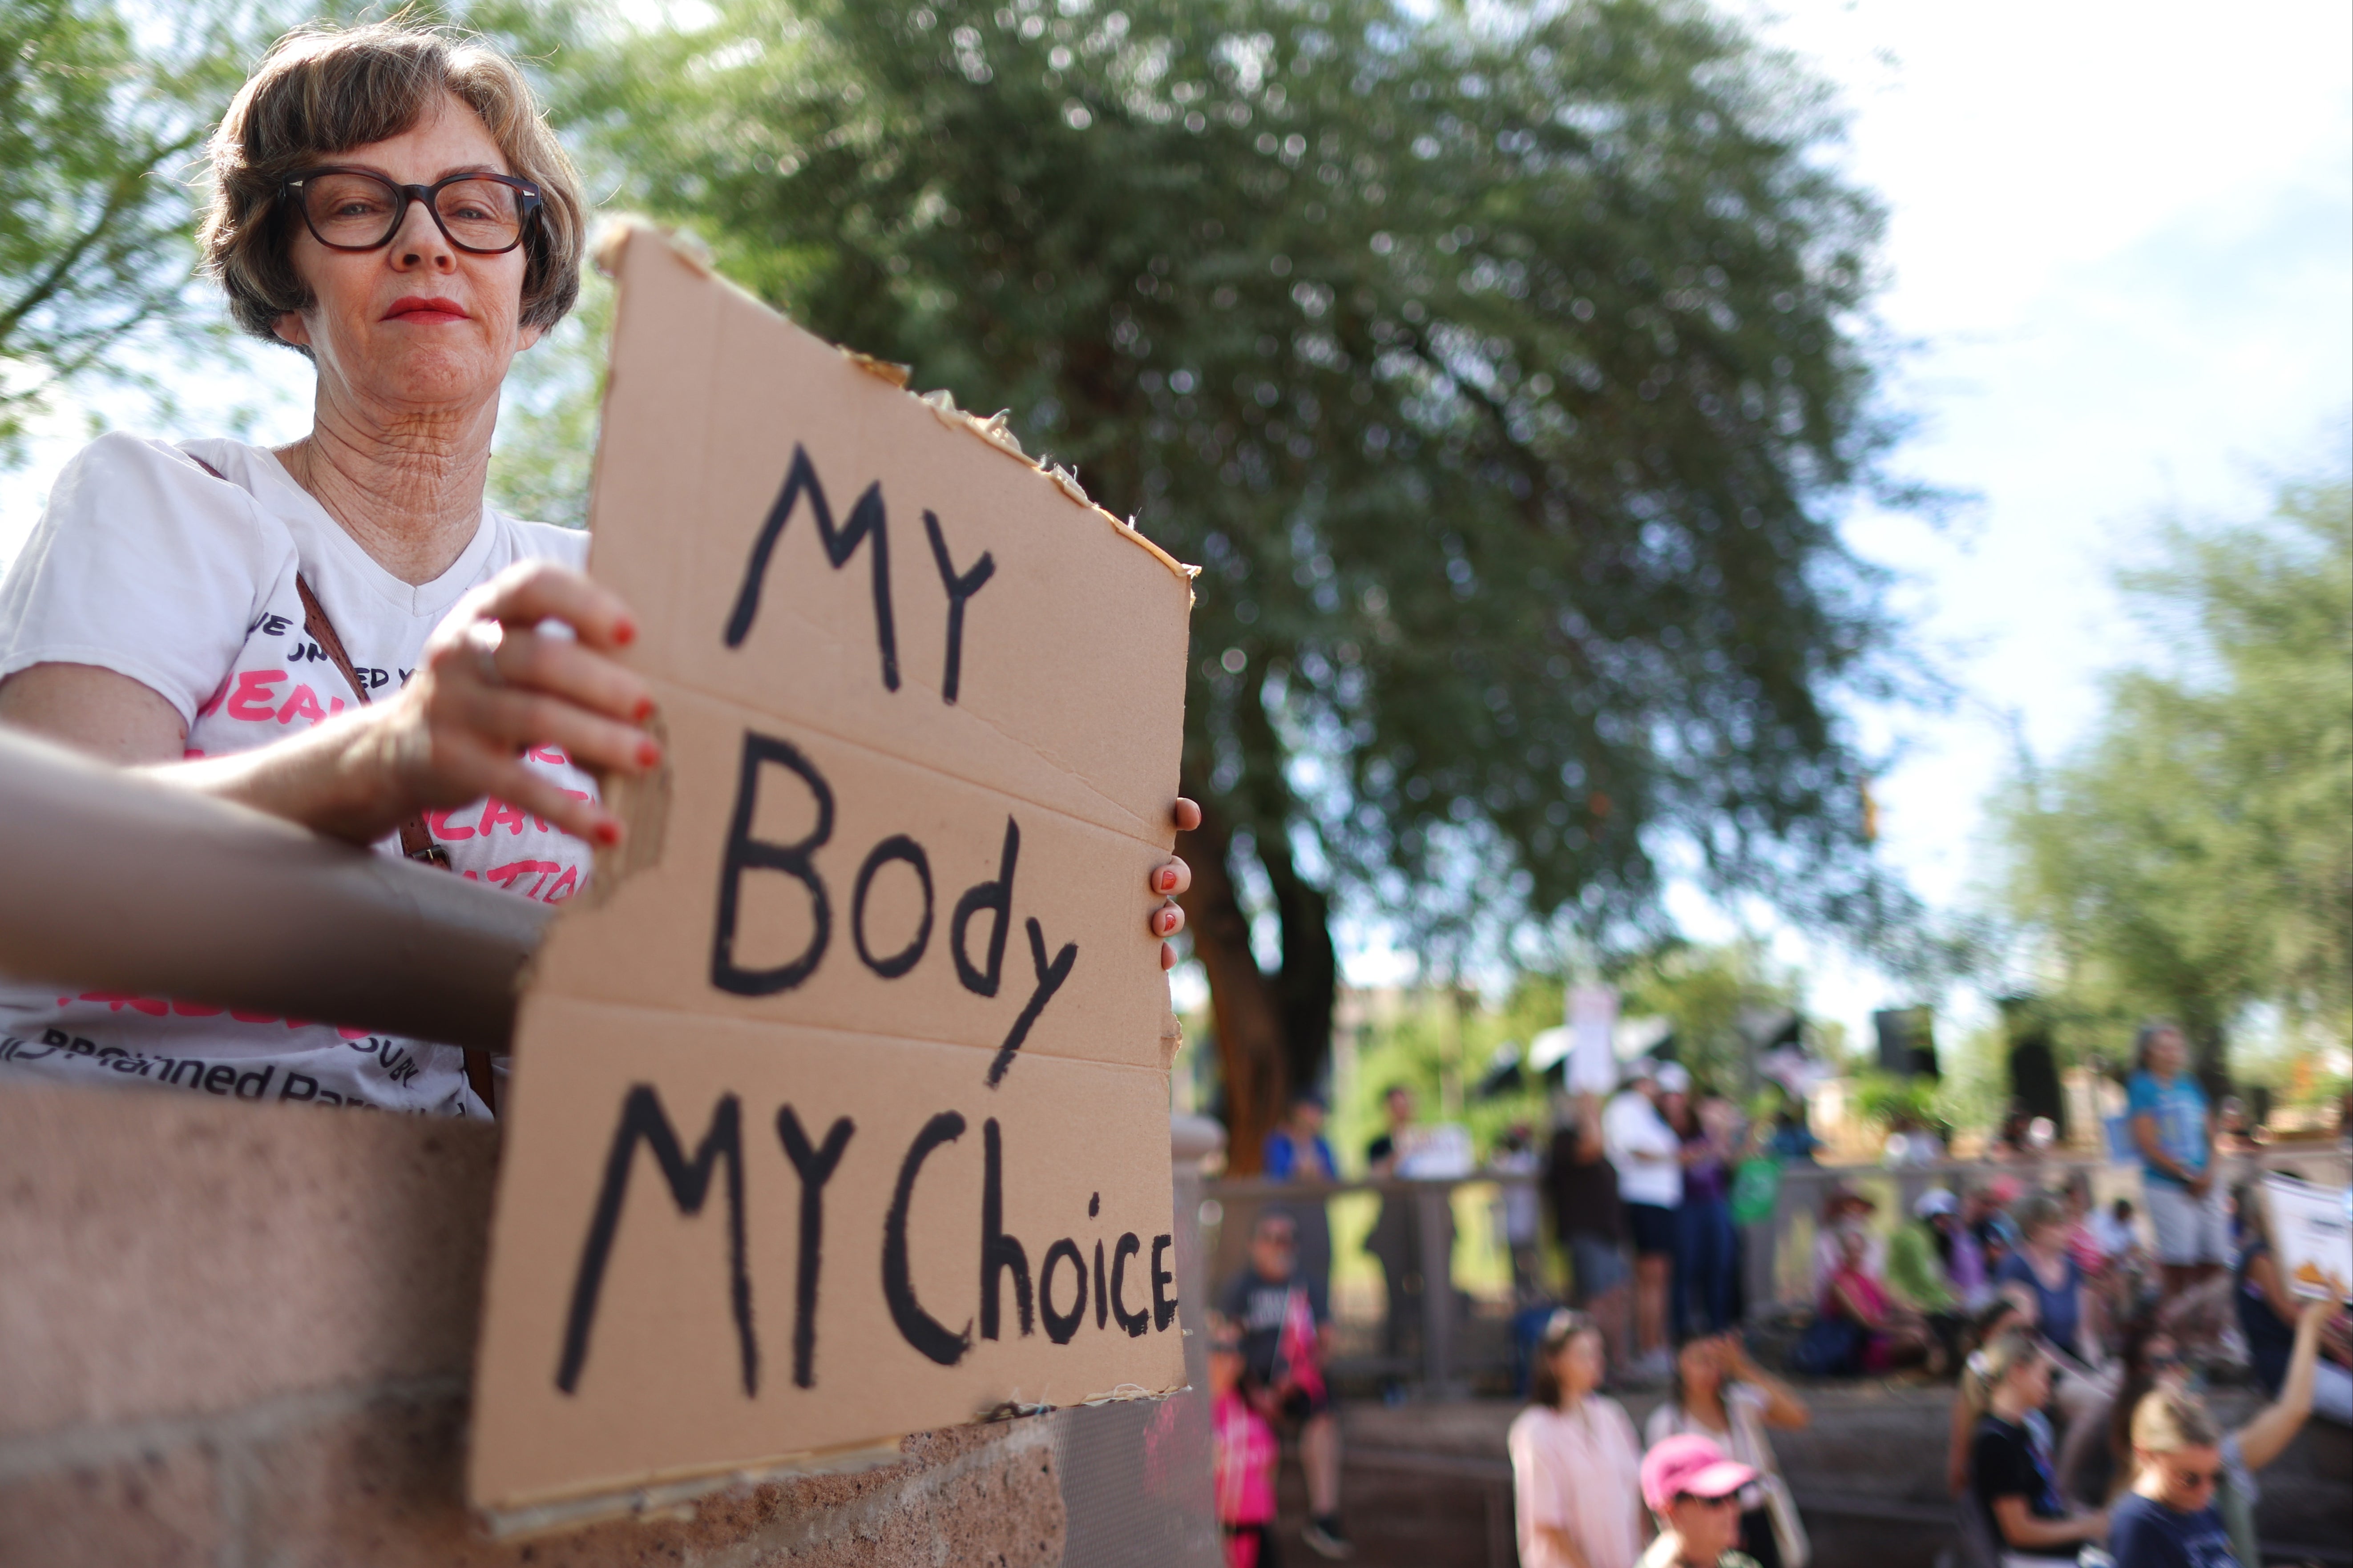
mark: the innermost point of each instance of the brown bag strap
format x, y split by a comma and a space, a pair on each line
416, 840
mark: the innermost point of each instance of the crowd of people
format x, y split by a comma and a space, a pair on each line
2078, 1337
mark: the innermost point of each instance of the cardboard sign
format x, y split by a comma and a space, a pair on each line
2312, 1241
843, 1112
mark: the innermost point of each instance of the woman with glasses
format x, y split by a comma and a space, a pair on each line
1721, 1394
1692, 1488
340, 632
2169, 1519
2154, 1365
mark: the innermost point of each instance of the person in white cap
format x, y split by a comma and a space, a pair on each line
1649, 1161
1692, 1489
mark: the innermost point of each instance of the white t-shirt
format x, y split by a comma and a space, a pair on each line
1633, 1126
146, 565
1580, 1474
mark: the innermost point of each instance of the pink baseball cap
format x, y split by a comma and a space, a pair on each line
1689, 1466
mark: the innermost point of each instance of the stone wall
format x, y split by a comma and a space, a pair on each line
236, 1335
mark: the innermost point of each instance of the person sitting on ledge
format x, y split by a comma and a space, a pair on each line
1893, 1333
2013, 1476
340, 632
1285, 1330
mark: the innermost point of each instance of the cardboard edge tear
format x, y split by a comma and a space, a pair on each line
615, 239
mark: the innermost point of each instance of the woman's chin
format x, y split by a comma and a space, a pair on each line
440, 376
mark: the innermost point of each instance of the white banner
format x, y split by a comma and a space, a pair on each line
2311, 1240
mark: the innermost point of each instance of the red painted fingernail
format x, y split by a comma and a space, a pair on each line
1167, 880
608, 833
648, 754
625, 632
644, 711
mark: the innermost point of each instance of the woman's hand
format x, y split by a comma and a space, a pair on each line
492, 684
489, 686
1172, 878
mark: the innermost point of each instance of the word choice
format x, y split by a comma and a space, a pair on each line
1003, 1259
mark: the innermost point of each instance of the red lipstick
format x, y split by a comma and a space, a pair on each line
424, 312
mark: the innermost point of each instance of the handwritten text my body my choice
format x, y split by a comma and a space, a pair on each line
643, 1120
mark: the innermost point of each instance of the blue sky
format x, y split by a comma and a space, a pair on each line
2121, 238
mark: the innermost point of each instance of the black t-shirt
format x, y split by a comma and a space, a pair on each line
2145, 1533
1584, 1194
2007, 1459
1380, 1149
1257, 1304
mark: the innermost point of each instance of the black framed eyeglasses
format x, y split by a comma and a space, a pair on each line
350, 209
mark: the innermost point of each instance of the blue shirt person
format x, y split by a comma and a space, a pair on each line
2174, 1113
1296, 1152
2174, 1133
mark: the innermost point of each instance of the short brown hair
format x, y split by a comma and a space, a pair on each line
2166, 1420
322, 90
2038, 1210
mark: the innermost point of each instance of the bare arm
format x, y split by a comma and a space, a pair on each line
2021, 1530
1854, 1308
2092, 1333
1783, 1409
488, 686
2144, 1132
2274, 1426
1589, 1129
1558, 1539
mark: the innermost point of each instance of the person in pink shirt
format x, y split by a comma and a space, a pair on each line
1894, 1335
1577, 1491
1246, 1451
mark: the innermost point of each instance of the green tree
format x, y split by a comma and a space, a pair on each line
2195, 855
1502, 372
99, 123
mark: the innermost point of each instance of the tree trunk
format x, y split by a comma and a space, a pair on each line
1310, 980
1245, 1006
2210, 1059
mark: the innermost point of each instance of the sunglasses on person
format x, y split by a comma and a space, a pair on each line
352, 209
1728, 1500
2189, 1480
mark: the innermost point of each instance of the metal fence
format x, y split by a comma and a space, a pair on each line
1424, 1282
